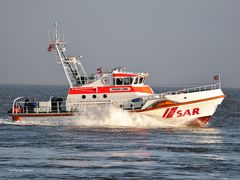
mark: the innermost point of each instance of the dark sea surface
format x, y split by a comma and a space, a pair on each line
114, 149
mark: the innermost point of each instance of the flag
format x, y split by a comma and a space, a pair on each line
99, 70
50, 47
216, 78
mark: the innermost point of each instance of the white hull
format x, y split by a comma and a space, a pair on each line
199, 108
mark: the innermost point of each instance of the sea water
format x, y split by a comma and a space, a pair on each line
115, 144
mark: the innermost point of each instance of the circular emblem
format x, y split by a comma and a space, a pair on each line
105, 80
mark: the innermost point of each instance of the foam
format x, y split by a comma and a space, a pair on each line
99, 117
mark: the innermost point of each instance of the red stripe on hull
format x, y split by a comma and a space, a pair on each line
165, 113
109, 89
200, 122
19, 116
172, 112
123, 75
82, 90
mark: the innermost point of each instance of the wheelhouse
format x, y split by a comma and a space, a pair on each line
129, 79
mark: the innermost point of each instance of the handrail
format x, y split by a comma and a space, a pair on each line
14, 103
58, 107
191, 90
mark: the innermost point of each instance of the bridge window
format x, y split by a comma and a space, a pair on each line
114, 81
126, 81
136, 80
141, 80
131, 80
119, 81
144, 79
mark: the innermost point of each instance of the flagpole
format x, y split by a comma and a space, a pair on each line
219, 80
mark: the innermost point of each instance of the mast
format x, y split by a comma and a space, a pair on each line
76, 75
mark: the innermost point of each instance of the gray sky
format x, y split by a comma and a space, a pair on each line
177, 41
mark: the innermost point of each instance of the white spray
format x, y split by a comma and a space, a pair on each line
99, 117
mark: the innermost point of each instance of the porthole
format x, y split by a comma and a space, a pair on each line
84, 96
104, 96
94, 96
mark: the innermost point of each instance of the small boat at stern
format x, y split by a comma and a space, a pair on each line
119, 88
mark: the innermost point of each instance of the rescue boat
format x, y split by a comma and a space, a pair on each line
118, 88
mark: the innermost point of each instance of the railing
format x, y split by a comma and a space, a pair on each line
21, 107
47, 107
191, 90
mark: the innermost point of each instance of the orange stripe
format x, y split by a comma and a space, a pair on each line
143, 89
42, 114
171, 105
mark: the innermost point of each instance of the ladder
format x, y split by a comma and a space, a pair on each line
72, 65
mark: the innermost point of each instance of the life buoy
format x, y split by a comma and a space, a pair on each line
105, 80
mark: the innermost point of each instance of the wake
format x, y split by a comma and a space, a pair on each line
99, 117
